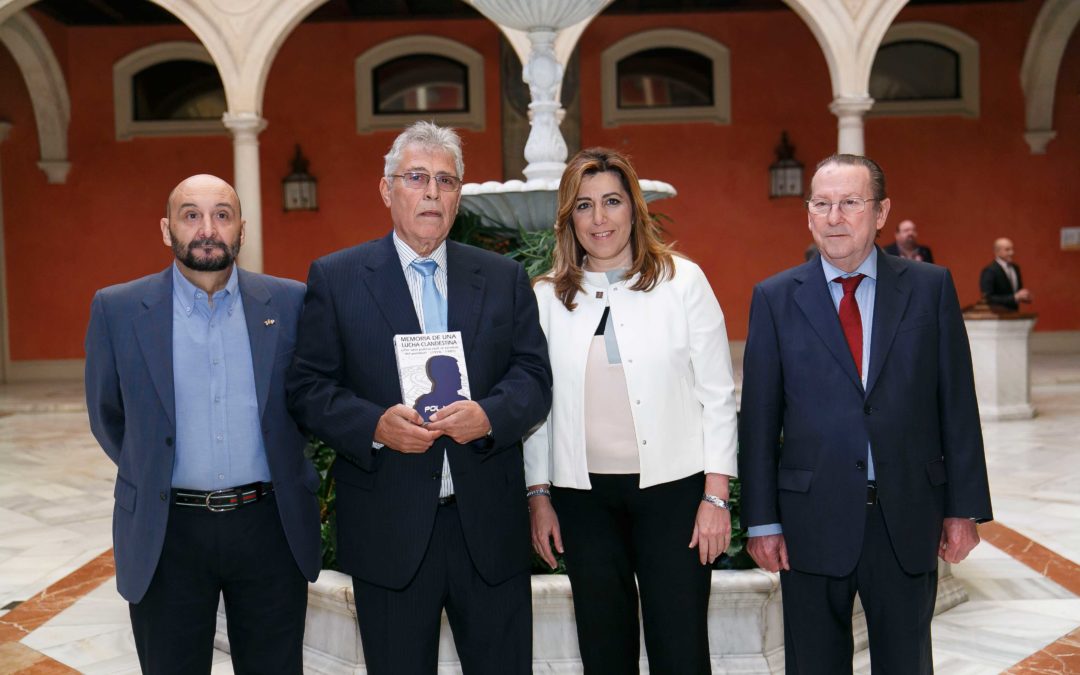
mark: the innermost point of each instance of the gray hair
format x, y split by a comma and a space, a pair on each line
429, 136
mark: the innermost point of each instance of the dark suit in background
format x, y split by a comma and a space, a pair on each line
923, 252
995, 286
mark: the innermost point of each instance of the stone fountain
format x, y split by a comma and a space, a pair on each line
530, 204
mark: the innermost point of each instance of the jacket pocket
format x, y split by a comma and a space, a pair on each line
794, 480
915, 322
935, 472
124, 494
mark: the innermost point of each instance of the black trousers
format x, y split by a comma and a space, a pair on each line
899, 607
614, 532
242, 555
492, 625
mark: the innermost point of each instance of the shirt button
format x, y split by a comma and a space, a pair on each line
168, 441
162, 495
644, 442
436, 476
217, 399
867, 409
860, 465
638, 401
215, 362
219, 437
221, 476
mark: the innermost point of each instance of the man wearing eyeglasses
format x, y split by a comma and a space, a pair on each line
429, 516
861, 454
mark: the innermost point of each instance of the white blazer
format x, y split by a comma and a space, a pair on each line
675, 355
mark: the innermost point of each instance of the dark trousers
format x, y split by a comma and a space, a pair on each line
242, 555
899, 607
614, 532
492, 625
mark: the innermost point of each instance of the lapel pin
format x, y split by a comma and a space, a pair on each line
269, 322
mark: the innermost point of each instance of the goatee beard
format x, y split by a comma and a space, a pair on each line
187, 255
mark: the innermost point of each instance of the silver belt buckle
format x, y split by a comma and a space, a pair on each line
218, 509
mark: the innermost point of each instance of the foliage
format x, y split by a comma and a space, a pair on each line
533, 249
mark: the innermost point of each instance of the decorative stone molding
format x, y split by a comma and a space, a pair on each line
245, 128
126, 68
1039, 71
849, 111
366, 63
717, 53
967, 51
1001, 357
48, 91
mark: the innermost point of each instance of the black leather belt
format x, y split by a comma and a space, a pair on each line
447, 500
222, 500
871, 493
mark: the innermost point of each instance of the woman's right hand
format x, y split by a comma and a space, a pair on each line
545, 529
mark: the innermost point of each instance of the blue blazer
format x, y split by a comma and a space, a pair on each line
806, 419
130, 400
345, 376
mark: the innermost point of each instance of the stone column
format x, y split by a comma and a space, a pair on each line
5, 355
850, 110
1001, 357
245, 128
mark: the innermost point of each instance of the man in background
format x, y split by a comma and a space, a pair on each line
1000, 281
907, 245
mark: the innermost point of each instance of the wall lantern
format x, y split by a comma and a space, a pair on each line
785, 174
299, 187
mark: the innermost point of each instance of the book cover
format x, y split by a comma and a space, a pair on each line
431, 369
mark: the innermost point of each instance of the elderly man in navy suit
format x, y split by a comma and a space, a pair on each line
861, 453
430, 515
185, 387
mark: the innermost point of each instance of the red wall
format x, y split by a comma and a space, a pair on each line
964, 181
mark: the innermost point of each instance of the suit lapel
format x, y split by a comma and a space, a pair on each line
154, 332
263, 327
386, 281
812, 296
465, 286
890, 300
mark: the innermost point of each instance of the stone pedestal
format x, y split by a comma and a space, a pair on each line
1001, 356
746, 629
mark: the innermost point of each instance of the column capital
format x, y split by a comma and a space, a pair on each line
5, 127
843, 106
243, 123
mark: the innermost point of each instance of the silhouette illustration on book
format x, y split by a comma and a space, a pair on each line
445, 375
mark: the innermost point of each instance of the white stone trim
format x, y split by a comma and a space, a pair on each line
5, 353
48, 91
473, 119
1039, 72
718, 113
1056, 342
123, 70
967, 50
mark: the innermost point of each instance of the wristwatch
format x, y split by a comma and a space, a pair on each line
716, 501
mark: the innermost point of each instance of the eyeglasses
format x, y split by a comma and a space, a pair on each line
418, 180
851, 205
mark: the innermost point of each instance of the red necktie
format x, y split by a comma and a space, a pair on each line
850, 318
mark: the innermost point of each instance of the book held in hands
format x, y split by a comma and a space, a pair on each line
431, 369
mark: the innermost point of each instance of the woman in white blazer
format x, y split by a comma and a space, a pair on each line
636, 453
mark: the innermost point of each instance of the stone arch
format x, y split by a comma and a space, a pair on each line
48, 91
1050, 35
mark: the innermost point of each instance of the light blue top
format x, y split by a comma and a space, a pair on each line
864, 296
219, 440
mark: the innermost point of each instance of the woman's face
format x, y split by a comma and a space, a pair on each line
602, 218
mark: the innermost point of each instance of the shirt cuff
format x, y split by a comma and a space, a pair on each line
764, 530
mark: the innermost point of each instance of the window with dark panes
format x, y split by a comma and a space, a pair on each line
665, 77
177, 90
915, 70
420, 83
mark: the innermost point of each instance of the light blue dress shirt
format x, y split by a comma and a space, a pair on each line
219, 440
864, 296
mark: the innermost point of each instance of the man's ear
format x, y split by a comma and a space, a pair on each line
384, 190
166, 236
243, 230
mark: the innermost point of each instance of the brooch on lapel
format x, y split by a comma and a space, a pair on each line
269, 322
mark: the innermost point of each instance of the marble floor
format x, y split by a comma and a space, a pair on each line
60, 613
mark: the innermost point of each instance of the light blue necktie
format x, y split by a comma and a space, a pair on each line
431, 299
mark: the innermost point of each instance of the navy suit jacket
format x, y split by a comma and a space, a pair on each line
995, 286
806, 419
130, 400
345, 376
